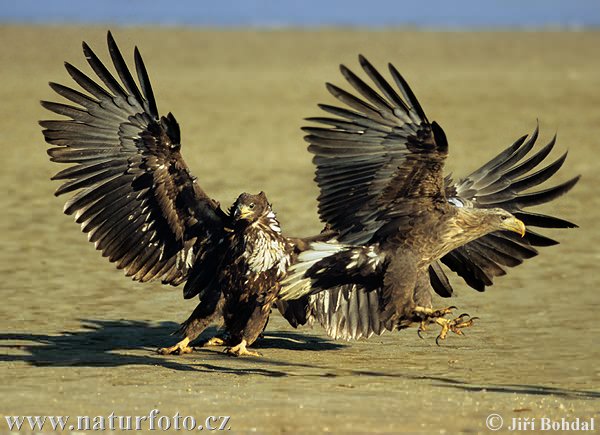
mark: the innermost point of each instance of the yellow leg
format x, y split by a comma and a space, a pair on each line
431, 313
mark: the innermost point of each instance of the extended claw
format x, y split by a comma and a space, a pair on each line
443, 311
455, 325
422, 328
468, 323
428, 315
178, 349
462, 316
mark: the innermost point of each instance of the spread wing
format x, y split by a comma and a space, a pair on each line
378, 159
135, 196
507, 181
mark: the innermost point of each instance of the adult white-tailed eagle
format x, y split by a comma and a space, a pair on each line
139, 204
380, 172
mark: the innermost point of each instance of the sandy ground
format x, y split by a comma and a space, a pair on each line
77, 338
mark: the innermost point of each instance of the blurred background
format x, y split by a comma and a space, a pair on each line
459, 14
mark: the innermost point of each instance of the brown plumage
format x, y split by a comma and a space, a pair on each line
380, 171
255, 257
140, 205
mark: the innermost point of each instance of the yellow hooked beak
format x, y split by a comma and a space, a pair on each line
243, 211
515, 225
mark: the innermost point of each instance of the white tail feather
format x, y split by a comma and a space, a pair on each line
296, 285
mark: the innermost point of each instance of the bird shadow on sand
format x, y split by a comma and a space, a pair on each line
115, 343
534, 390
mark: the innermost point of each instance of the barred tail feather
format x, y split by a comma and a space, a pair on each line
348, 312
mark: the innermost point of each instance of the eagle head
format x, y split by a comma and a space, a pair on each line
250, 208
500, 219
472, 223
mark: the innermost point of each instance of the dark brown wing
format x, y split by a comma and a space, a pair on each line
136, 198
504, 182
379, 159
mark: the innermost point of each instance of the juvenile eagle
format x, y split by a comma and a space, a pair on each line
379, 165
139, 204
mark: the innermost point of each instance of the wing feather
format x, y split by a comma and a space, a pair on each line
380, 153
505, 182
133, 193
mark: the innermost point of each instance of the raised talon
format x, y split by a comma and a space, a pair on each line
240, 350
454, 325
459, 318
178, 349
466, 324
428, 315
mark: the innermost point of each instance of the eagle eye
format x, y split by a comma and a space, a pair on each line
251, 205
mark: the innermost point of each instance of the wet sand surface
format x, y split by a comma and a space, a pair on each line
78, 338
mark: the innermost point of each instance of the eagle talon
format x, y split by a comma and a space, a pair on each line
462, 316
240, 350
466, 324
455, 325
177, 349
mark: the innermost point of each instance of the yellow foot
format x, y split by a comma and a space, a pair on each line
179, 349
454, 325
215, 341
428, 315
240, 350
